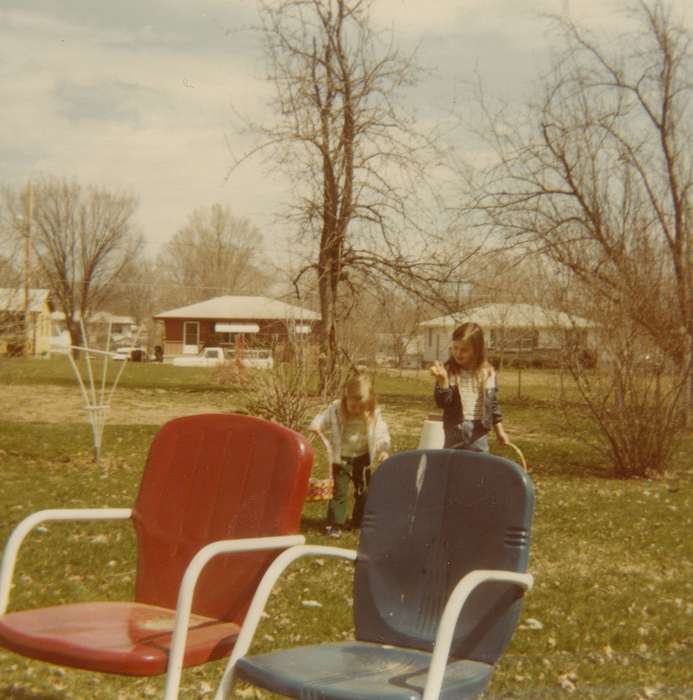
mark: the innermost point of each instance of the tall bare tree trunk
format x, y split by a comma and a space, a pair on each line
355, 159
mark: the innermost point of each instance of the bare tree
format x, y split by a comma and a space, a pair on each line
10, 276
13, 316
213, 254
135, 293
599, 175
82, 238
355, 160
396, 316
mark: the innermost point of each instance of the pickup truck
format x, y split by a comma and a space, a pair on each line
213, 357
209, 357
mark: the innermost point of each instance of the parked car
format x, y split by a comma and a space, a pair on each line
255, 358
384, 360
134, 354
209, 357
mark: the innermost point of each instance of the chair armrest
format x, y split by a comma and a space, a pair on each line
187, 589
451, 613
15, 540
259, 601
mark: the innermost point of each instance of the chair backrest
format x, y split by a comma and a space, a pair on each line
431, 517
214, 477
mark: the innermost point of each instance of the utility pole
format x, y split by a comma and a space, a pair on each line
27, 268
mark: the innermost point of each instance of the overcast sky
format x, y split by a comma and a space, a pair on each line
136, 94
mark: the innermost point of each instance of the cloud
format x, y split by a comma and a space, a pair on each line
110, 100
82, 98
137, 95
203, 25
511, 18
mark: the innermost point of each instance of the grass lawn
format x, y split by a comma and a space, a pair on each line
611, 615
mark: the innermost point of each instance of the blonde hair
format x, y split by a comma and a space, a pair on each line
359, 386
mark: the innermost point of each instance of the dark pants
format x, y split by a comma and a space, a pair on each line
351, 469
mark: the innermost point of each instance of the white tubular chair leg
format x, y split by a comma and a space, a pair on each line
15, 540
257, 606
187, 589
451, 613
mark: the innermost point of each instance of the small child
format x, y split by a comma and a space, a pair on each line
359, 437
466, 390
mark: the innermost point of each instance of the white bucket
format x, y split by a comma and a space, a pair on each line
432, 435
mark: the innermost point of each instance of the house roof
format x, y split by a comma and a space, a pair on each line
231, 307
509, 316
12, 299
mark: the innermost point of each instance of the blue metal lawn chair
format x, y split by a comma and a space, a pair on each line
440, 575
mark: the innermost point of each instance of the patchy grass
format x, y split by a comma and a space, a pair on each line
613, 560
143, 375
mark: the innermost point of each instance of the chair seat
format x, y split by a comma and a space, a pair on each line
358, 671
126, 638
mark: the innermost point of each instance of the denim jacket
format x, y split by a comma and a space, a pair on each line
449, 400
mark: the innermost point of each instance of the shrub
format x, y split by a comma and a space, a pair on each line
634, 400
281, 393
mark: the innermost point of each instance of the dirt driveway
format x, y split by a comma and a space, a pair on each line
57, 404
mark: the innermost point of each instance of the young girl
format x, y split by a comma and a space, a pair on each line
466, 391
359, 437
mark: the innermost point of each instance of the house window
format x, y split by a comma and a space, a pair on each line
430, 337
514, 338
225, 338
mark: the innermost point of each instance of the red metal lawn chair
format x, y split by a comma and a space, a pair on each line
215, 484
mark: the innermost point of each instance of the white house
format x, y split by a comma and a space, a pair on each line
124, 329
508, 328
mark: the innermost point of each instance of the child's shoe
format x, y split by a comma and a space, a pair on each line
333, 531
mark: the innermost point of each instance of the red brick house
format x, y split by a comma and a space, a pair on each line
259, 321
